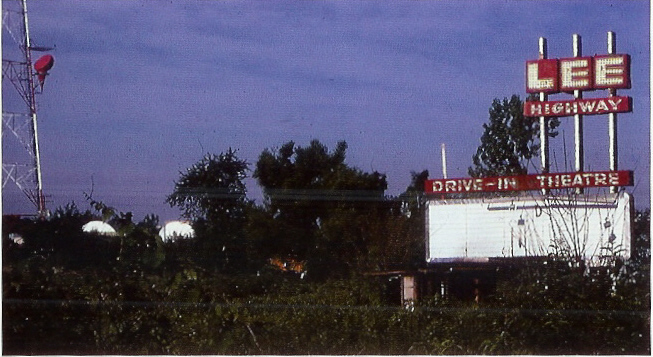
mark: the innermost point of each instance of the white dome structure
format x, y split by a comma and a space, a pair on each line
99, 227
176, 230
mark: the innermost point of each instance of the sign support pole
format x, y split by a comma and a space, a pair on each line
578, 118
544, 127
444, 160
612, 117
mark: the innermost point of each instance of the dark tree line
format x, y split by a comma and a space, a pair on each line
333, 219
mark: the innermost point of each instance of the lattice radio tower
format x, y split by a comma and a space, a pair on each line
20, 126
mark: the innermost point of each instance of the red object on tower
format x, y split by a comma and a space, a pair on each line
42, 66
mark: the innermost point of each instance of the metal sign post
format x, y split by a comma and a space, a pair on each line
578, 119
575, 75
544, 123
612, 117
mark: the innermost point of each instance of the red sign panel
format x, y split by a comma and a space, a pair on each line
578, 73
563, 108
531, 182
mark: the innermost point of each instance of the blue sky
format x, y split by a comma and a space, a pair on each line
141, 90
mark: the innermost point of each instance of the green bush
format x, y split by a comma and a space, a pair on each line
66, 292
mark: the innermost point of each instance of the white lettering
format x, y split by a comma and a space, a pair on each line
614, 103
565, 180
571, 107
467, 184
580, 73
557, 108
437, 186
614, 179
478, 184
553, 181
510, 183
578, 180
536, 109
600, 179
534, 82
530, 182
587, 107
574, 73
602, 106
609, 71
591, 106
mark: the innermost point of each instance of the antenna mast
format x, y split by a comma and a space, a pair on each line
22, 123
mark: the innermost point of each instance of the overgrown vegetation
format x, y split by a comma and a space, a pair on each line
290, 276
180, 309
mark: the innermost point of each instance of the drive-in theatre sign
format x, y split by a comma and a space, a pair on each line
564, 75
463, 227
531, 182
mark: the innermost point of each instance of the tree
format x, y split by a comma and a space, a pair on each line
213, 195
509, 140
642, 237
313, 198
415, 212
413, 198
399, 229
212, 188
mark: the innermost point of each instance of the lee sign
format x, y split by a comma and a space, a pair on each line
530, 182
578, 73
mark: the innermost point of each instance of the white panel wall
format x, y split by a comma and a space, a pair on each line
478, 229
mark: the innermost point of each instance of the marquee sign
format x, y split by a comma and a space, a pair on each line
530, 182
578, 73
463, 228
